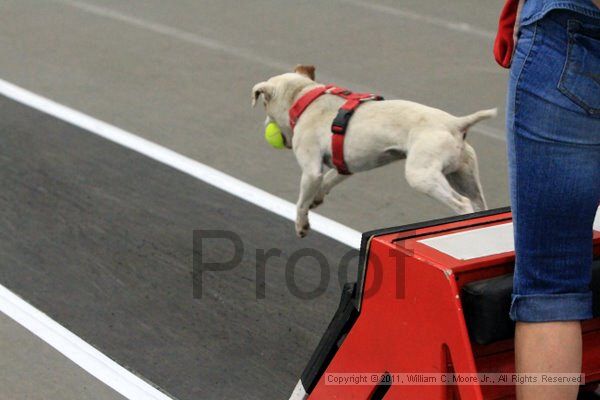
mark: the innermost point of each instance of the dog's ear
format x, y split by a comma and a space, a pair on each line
306, 70
265, 88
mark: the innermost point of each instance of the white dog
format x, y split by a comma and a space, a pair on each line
439, 162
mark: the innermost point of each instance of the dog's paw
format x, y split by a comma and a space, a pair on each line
316, 203
465, 207
302, 229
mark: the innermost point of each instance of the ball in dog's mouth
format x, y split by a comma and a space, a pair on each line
273, 136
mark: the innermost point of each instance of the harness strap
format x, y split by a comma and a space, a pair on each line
303, 102
338, 128
340, 122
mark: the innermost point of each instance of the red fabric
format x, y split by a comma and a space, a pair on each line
505, 44
337, 154
337, 141
303, 102
353, 100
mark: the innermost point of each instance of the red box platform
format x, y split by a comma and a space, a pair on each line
405, 313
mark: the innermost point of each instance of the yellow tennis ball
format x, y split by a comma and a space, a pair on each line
274, 136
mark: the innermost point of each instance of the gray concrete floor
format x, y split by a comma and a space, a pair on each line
32, 370
179, 73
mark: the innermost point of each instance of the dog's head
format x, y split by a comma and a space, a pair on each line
279, 93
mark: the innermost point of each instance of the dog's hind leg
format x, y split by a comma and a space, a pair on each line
466, 179
424, 173
331, 179
433, 183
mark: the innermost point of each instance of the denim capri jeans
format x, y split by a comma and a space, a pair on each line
553, 125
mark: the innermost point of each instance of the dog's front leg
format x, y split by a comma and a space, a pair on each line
331, 179
309, 186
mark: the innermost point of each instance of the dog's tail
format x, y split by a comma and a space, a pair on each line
464, 123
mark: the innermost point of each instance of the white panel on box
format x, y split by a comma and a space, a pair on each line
481, 242
475, 243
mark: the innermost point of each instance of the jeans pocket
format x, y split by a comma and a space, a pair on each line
580, 78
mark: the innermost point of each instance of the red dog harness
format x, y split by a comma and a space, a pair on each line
340, 123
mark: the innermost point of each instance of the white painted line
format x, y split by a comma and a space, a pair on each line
176, 33
462, 27
182, 163
196, 39
74, 348
299, 393
475, 243
252, 56
77, 350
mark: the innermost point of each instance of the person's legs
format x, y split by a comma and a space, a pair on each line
554, 161
532, 342
554, 212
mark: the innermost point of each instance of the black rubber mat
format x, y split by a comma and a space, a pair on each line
100, 238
